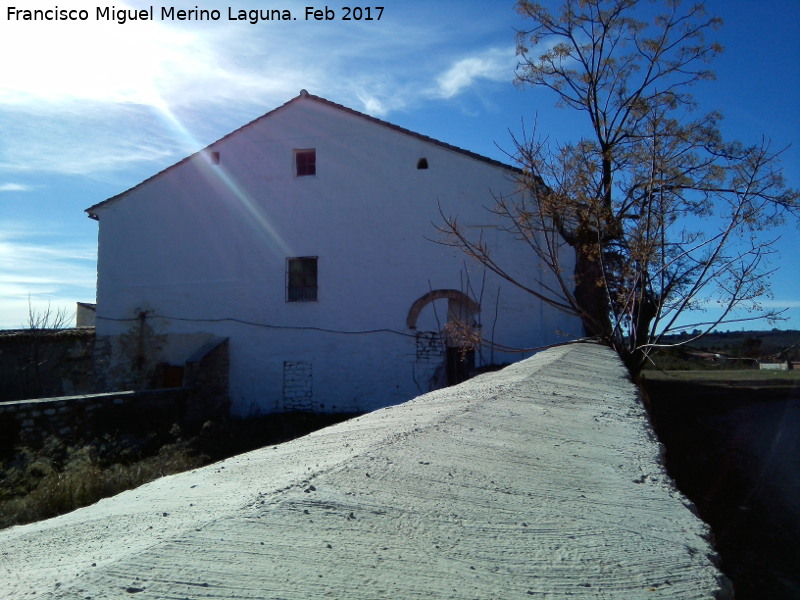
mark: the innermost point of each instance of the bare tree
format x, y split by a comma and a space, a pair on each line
40, 354
661, 214
46, 319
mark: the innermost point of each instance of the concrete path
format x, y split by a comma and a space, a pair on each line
540, 481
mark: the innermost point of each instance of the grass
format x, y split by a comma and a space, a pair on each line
729, 377
721, 386
61, 475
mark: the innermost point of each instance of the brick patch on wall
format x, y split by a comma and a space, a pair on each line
297, 385
429, 346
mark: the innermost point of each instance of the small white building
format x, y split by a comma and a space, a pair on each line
307, 239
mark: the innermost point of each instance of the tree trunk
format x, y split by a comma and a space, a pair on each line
590, 293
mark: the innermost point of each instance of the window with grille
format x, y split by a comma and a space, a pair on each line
301, 279
305, 162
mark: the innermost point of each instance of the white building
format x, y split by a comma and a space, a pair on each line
307, 239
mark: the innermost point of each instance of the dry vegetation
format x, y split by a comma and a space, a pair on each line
736, 350
61, 476
40, 483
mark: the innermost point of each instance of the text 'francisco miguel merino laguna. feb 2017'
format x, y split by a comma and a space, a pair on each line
171, 13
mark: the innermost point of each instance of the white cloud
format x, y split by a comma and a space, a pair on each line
114, 96
494, 64
86, 97
778, 303
82, 138
14, 187
162, 63
137, 63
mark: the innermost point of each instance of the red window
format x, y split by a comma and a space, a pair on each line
305, 162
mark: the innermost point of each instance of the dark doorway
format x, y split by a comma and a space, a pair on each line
460, 363
172, 376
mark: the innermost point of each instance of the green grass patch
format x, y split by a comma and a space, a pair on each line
728, 378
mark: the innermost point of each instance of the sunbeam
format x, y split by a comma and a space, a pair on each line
251, 210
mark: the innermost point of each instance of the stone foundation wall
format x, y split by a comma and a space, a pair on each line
30, 422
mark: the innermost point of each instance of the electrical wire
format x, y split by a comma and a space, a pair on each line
257, 324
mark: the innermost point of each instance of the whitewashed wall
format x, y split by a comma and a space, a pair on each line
202, 245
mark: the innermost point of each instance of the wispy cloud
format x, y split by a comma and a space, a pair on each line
494, 64
37, 275
777, 303
82, 138
140, 63
14, 187
110, 98
99, 102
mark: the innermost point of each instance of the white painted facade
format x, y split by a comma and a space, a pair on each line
199, 251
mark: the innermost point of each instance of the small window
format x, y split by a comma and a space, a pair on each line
214, 158
422, 163
301, 279
305, 162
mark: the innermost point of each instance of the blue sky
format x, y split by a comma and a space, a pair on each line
89, 109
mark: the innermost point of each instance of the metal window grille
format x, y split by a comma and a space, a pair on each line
301, 279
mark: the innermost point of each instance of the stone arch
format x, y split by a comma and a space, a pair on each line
454, 296
455, 340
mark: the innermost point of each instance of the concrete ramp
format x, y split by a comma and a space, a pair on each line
539, 481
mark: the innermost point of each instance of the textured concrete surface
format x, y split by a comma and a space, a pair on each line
540, 481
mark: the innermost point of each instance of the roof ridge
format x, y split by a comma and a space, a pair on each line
407, 131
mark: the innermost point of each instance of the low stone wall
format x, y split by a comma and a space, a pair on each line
205, 396
30, 422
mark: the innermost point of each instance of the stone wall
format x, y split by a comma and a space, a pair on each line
30, 422
204, 396
37, 363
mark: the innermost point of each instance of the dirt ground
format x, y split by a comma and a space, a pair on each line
733, 447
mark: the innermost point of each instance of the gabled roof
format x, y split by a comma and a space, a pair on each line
305, 95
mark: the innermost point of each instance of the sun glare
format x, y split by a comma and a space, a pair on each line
92, 60
252, 211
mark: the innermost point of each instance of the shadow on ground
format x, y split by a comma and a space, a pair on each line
733, 447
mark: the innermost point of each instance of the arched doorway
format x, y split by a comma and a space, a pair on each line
457, 335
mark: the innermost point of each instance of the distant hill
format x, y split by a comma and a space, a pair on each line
736, 349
